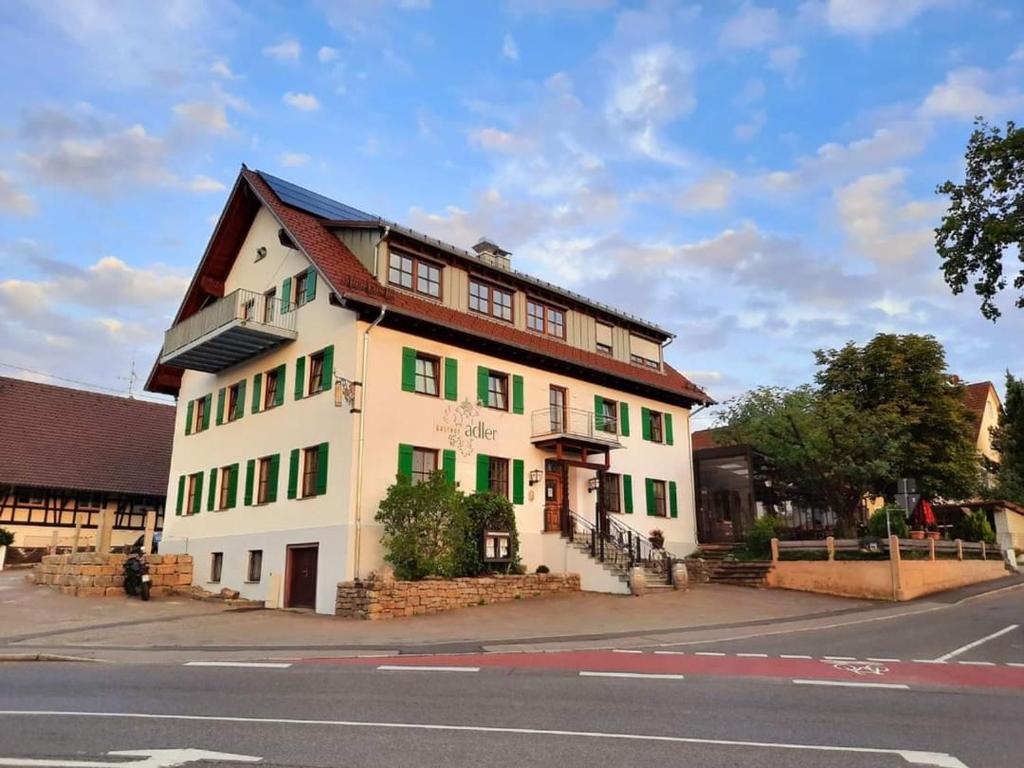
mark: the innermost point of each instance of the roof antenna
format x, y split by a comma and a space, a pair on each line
131, 378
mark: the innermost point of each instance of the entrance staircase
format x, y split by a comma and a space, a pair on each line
620, 549
717, 564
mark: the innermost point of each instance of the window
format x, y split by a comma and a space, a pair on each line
545, 319
270, 395
608, 418
498, 470
234, 408
300, 282
610, 497
316, 372
424, 464
489, 300
658, 495
270, 305
644, 351
656, 430
604, 349
255, 569
427, 374
638, 360
408, 272
248, 309
604, 339
190, 498
263, 489
310, 468
223, 501
556, 403
216, 566
497, 390
200, 415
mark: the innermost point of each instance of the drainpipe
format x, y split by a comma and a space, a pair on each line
362, 442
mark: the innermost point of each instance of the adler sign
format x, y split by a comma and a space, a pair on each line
463, 424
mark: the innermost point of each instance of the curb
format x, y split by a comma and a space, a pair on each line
6, 657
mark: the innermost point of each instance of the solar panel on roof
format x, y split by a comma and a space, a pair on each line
311, 202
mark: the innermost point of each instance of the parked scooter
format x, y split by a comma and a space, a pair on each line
136, 574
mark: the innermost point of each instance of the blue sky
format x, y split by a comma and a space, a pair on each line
757, 178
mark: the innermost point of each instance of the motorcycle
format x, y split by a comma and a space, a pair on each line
136, 575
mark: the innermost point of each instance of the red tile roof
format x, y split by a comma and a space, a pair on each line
350, 278
59, 437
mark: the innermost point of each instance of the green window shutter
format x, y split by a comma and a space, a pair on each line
310, 284
272, 475
232, 481
257, 391
211, 494
293, 474
300, 377
517, 394
321, 469
651, 507
598, 409
408, 369
181, 495
483, 473
327, 373
627, 493
517, 481
448, 463
645, 422
220, 406
188, 417
668, 428
240, 402
281, 370
451, 378
286, 295
673, 502
405, 461
482, 374
197, 502
250, 477
624, 419
206, 411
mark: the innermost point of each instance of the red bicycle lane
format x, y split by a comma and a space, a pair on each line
950, 674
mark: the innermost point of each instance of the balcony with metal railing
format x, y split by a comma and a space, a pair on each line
549, 426
229, 331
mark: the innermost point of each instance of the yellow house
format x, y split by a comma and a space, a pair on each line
320, 351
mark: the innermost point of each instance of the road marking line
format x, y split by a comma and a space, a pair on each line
793, 656
927, 661
708, 653
669, 653
890, 661
979, 663
641, 675
839, 658
846, 684
915, 757
151, 758
248, 664
626, 651
753, 655
964, 648
421, 668
1014, 664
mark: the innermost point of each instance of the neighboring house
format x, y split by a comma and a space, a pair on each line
983, 402
66, 454
440, 360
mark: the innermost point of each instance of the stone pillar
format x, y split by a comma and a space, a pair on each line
775, 550
101, 526
77, 537
931, 549
959, 549
54, 538
147, 541
894, 563
830, 545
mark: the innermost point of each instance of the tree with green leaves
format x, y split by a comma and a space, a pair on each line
903, 380
1008, 439
985, 219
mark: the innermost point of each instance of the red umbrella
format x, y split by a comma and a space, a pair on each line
925, 513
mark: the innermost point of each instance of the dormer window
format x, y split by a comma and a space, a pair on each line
414, 274
545, 319
490, 300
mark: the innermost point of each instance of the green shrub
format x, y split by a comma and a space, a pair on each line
6, 538
421, 523
484, 512
974, 526
543, 569
759, 538
897, 522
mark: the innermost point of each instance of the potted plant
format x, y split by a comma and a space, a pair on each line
917, 533
657, 538
934, 534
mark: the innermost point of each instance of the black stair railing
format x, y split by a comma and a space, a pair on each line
620, 544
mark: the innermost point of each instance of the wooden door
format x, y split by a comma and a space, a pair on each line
301, 577
554, 495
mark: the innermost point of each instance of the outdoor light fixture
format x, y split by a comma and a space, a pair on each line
593, 484
535, 476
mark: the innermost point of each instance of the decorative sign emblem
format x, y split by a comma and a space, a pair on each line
463, 424
860, 667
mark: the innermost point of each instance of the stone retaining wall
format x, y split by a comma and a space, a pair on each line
386, 599
86, 574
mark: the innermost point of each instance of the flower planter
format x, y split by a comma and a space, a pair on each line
935, 535
917, 534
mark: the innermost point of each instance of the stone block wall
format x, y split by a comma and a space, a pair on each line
86, 574
377, 598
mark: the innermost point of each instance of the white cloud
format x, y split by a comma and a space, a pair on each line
748, 130
752, 92
866, 17
966, 93
786, 61
654, 87
496, 140
294, 159
203, 183
286, 50
207, 117
305, 102
327, 54
509, 49
711, 193
13, 200
750, 27
221, 68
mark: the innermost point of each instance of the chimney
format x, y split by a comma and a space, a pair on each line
490, 253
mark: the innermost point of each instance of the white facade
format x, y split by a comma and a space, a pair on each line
390, 417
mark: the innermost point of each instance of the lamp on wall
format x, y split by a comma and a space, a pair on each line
536, 476
593, 484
